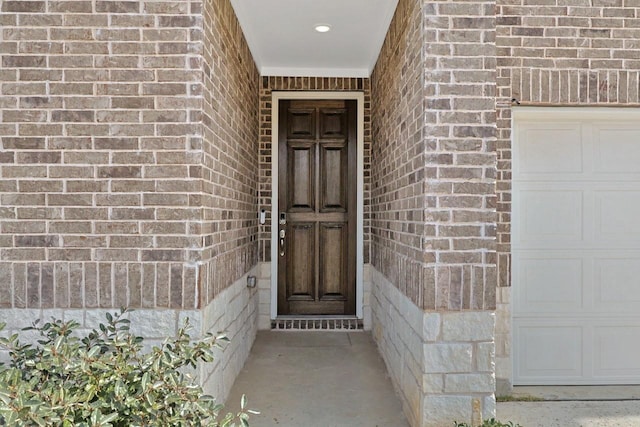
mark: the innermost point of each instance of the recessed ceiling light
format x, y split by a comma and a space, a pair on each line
322, 28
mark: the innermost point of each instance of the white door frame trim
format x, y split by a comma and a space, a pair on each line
276, 96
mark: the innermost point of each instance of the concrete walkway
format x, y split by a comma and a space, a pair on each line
571, 413
574, 406
317, 379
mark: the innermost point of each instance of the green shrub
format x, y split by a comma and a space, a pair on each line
105, 379
489, 423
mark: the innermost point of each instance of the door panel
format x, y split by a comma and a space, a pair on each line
550, 350
616, 150
616, 350
301, 124
333, 124
301, 157
301, 246
333, 271
317, 150
333, 158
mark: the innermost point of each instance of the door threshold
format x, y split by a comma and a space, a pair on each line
317, 323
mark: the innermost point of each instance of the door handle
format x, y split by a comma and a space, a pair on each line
282, 234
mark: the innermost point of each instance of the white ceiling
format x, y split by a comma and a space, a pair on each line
283, 42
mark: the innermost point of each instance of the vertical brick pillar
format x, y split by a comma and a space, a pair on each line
433, 211
460, 218
460, 133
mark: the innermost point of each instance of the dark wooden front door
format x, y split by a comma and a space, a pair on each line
317, 155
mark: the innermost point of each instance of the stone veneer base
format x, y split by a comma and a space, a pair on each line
233, 311
441, 363
504, 369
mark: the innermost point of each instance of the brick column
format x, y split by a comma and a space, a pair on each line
433, 211
460, 132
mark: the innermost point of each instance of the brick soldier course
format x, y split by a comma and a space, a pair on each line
136, 153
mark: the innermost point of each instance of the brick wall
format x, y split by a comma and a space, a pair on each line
398, 155
460, 134
230, 151
563, 52
107, 184
433, 177
270, 84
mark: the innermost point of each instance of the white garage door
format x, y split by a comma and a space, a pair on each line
576, 246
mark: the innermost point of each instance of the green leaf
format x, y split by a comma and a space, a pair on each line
243, 402
145, 381
83, 381
106, 419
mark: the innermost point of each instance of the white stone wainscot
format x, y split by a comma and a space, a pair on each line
264, 295
234, 312
504, 369
154, 325
441, 363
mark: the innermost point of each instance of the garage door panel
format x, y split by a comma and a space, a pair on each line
616, 150
617, 284
549, 351
549, 284
616, 350
617, 215
576, 246
555, 149
550, 216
